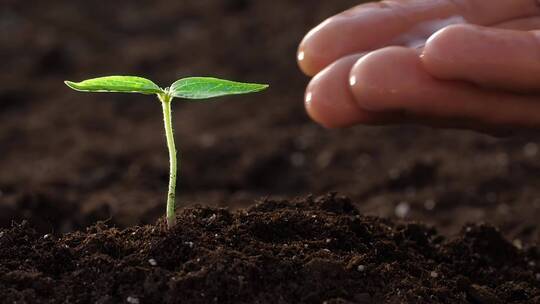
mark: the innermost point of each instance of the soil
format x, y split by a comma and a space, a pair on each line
306, 251
68, 160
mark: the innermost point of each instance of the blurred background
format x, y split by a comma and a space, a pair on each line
68, 159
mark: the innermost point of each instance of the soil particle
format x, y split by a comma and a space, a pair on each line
309, 250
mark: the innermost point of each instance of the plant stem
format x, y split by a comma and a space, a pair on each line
167, 119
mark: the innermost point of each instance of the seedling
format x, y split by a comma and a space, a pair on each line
192, 88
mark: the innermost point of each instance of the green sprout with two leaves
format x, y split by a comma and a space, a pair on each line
192, 88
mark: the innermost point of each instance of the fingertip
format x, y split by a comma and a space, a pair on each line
326, 104
305, 63
387, 79
444, 48
312, 52
367, 81
488, 57
329, 101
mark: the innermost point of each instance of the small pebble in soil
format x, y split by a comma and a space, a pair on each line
434, 274
133, 300
502, 159
212, 218
324, 159
430, 204
241, 280
410, 192
1, 234
47, 236
328, 241
152, 262
361, 268
503, 209
303, 141
532, 264
298, 159
190, 244
394, 174
491, 197
530, 150
364, 160
402, 210
207, 140
518, 244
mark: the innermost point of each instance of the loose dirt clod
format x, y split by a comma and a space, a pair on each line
263, 258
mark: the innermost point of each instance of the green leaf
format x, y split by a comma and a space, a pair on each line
207, 87
119, 84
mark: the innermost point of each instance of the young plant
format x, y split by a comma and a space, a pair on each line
192, 88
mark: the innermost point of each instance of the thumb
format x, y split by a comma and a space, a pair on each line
489, 57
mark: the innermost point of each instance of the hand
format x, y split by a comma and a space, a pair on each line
448, 63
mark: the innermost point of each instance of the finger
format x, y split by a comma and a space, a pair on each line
394, 79
497, 58
522, 24
329, 100
406, 22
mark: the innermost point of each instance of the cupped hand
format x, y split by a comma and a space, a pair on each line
450, 63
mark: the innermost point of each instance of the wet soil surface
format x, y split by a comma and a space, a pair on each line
312, 250
68, 160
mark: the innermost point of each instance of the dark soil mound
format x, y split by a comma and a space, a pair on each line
305, 251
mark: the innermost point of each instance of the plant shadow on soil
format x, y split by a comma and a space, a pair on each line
68, 161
